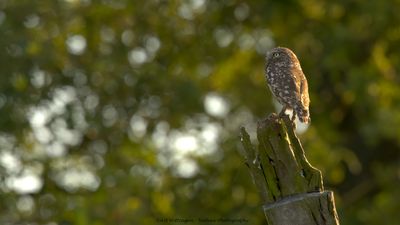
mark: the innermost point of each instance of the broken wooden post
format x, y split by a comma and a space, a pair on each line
290, 188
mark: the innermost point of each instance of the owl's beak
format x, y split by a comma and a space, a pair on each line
268, 57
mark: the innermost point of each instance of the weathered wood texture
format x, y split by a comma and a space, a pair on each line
290, 188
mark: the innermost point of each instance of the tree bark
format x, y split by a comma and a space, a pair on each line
290, 187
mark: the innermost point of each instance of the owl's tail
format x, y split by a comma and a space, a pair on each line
303, 114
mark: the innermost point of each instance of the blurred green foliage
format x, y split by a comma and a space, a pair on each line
126, 112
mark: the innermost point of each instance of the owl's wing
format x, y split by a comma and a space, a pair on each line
301, 87
304, 92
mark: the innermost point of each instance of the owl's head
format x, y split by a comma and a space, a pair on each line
282, 56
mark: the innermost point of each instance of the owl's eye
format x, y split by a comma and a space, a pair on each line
276, 54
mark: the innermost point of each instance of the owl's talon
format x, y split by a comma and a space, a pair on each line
282, 113
293, 120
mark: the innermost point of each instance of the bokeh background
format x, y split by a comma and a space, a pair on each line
128, 112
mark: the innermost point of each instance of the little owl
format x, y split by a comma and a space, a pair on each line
287, 82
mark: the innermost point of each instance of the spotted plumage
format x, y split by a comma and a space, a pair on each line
287, 82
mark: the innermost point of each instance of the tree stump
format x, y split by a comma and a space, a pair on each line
290, 187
